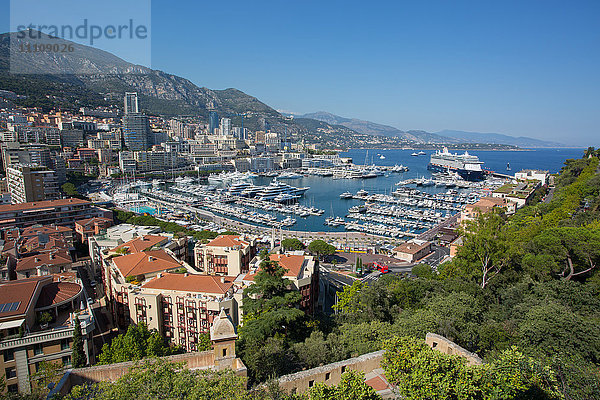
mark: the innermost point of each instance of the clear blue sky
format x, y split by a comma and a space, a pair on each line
524, 68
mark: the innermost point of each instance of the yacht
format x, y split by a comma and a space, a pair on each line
290, 175
421, 153
382, 157
285, 198
276, 188
362, 192
346, 195
415, 154
358, 209
238, 188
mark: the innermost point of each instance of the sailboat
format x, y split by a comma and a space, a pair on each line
382, 157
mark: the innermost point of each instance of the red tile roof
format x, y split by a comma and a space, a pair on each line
57, 292
93, 221
146, 262
411, 248
41, 205
51, 258
209, 284
47, 229
227, 241
20, 291
141, 243
292, 263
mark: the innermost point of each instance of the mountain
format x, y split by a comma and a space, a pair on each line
99, 72
372, 128
497, 138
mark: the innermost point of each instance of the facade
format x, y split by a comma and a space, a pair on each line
519, 193
90, 227
136, 131
413, 250
52, 262
63, 212
71, 138
25, 343
484, 205
532, 174
225, 255
31, 183
213, 122
131, 103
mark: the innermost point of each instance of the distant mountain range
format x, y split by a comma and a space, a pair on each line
445, 136
106, 77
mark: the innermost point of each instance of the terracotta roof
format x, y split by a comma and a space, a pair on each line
292, 263
51, 258
33, 244
42, 204
92, 221
411, 248
141, 243
47, 229
145, 262
20, 291
191, 283
227, 241
57, 292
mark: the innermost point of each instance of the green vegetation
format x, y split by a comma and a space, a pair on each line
137, 343
78, 354
321, 248
292, 244
147, 220
69, 189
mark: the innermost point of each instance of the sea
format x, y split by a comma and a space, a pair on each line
324, 192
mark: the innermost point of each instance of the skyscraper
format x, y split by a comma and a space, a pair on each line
213, 122
131, 103
225, 126
136, 131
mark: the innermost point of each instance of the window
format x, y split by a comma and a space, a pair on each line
13, 388
311, 383
9, 355
224, 352
38, 349
10, 372
327, 376
66, 360
64, 344
434, 345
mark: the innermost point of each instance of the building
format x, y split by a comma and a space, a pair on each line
225, 126
28, 183
63, 212
225, 255
24, 342
52, 262
301, 270
136, 131
72, 138
183, 306
13, 153
485, 205
532, 174
519, 193
413, 250
213, 122
86, 228
131, 103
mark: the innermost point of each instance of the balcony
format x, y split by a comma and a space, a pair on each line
51, 334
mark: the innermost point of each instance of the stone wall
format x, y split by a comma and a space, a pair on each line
447, 346
329, 374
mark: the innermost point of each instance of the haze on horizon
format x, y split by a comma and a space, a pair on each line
517, 68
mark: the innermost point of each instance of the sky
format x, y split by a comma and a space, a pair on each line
523, 68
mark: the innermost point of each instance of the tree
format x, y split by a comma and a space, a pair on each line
485, 247
321, 248
270, 312
349, 299
292, 244
69, 189
160, 379
352, 387
138, 342
78, 358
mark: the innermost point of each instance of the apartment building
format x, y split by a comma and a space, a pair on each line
24, 341
485, 205
225, 255
63, 212
301, 270
28, 183
88, 227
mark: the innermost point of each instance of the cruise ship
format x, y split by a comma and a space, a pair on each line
465, 165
